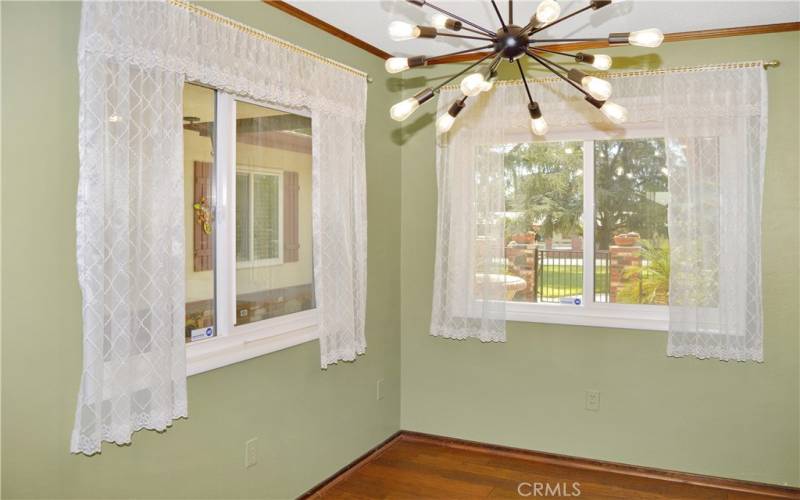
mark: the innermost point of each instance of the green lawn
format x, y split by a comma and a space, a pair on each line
567, 280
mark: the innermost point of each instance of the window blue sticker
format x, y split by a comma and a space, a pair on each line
203, 333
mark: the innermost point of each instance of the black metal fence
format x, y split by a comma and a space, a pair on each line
558, 276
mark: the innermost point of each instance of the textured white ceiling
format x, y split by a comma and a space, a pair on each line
368, 19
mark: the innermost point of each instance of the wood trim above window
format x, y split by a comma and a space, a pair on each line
682, 36
329, 28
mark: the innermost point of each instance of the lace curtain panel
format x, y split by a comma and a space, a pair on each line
715, 123
133, 59
716, 149
469, 292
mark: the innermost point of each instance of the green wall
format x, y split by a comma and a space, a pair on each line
736, 420
309, 422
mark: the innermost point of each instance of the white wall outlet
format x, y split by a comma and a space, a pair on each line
379, 389
251, 452
593, 400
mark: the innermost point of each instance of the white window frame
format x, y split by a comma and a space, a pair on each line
589, 313
251, 172
233, 344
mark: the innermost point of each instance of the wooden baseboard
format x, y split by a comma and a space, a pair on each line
353, 466
722, 484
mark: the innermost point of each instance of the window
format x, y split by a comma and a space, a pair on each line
616, 273
258, 217
249, 276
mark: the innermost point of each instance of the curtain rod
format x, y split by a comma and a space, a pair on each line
627, 74
264, 36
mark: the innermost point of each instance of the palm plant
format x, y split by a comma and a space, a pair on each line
648, 284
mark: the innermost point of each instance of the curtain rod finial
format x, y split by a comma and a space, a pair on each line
370, 79
772, 64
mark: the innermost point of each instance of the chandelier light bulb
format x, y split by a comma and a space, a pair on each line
406, 107
396, 64
443, 22
403, 109
538, 123
445, 123
602, 62
473, 84
400, 31
646, 38
539, 126
510, 42
439, 21
614, 112
596, 87
547, 12
489, 83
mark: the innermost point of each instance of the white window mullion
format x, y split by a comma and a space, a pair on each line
225, 242
588, 223
251, 218
280, 217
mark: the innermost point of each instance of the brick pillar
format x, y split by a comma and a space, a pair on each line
548, 244
621, 257
577, 244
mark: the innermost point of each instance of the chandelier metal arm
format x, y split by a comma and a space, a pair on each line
477, 32
499, 16
525, 81
509, 43
567, 54
563, 18
468, 37
553, 63
547, 65
563, 40
497, 60
458, 18
432, 60
436, 89
493, 65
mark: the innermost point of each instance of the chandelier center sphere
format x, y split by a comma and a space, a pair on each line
511, 43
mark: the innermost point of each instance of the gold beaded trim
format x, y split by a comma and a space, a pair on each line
262, 36
629, 74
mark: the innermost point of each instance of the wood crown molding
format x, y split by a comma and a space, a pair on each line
329, 28
760, 29
683, 36
723, 484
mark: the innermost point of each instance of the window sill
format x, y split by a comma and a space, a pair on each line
250, 341
635, 317
253, 264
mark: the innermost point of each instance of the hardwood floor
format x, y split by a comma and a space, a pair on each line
413, 466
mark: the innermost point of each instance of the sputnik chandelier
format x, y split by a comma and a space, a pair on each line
510, 42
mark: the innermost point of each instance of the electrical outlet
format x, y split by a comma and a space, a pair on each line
593, 400
251, 452
379, 389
